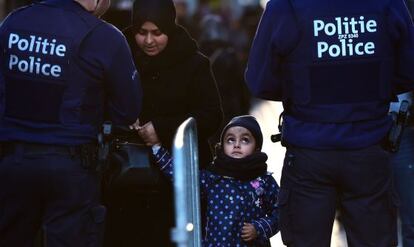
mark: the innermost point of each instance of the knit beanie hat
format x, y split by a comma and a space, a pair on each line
249, 122
160, 12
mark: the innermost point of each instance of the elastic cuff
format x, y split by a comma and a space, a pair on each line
261, 231
155, 149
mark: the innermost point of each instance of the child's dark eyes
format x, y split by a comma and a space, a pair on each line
230, 140
245, 140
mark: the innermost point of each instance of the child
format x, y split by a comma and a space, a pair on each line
241, 195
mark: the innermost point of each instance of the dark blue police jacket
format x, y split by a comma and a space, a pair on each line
62, 72
336, 65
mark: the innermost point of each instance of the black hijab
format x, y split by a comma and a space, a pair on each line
162, 13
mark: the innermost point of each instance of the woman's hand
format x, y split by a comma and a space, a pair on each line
148, 134
249, 233
135, 125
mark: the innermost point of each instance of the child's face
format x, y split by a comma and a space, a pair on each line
238, 142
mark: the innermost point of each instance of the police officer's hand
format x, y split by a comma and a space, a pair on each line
249, 233
148, 134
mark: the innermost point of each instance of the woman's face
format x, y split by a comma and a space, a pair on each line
150, 39
238, 142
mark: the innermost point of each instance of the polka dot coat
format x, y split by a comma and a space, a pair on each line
231, 203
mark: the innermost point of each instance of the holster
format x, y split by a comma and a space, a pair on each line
104, 142
400, 121
279, 136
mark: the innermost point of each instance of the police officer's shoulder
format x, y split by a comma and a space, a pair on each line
111, 29
398, 9
106, 42
112, 33
280, 13
15, 13
276, 5
21, 8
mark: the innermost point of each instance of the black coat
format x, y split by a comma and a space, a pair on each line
178, 83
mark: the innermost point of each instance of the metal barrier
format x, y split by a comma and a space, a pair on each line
187, 231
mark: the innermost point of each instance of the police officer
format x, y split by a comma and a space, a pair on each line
403, 168
335, 65
63, 71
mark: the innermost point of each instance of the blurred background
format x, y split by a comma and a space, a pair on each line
224, 30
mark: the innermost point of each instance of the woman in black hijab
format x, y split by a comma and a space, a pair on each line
177, 83
177, 79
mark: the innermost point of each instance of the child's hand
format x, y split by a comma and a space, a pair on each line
248, 232
148, 134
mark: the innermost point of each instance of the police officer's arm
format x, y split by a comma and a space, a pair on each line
124, 94
106, 50
276, 35
403, 30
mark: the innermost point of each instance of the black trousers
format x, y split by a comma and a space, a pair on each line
403, 166
140, 217
315, 183
48, 189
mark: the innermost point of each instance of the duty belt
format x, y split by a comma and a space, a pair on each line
34, 148
87, 152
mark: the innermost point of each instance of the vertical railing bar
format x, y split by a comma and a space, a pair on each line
186, 186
